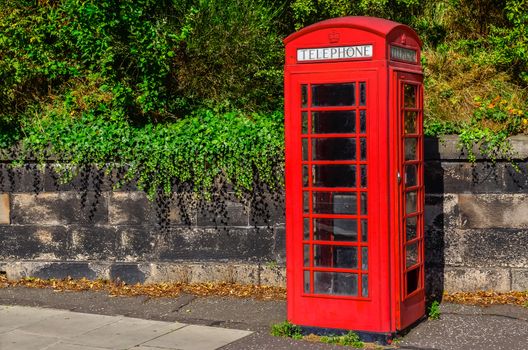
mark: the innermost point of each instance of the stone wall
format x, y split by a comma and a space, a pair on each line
476, 219
476, 227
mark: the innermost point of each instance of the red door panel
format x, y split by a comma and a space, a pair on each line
410, 197
338, 266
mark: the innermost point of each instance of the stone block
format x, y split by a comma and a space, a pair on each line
59, 208
27, 178
93, 243
33, 242
448, 148
494, 210
199, 272
466, 279
271, 275
136, 243
130, 208
267, 209
221, 212
433, 177
279, 245
520, 279
182, 210
434, 281
464, 177
129, 273
516, 178
61, 270
446, 247
441, 211
487, 248
88, 179
4, 209
210, 243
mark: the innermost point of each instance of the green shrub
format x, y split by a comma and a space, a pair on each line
433, 311
286, 329
200, 149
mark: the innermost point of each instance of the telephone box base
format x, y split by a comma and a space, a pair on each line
369, 337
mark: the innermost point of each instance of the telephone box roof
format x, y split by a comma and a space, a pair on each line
379, 26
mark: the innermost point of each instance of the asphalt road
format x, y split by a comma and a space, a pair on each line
460, 327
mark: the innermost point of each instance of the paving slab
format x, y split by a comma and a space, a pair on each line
67, 324
20, 340
125, 333
14, 317
197, 338
68, 346
44, 329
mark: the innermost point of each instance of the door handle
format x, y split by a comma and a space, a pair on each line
398, 176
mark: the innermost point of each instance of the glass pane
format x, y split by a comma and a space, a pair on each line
335, 256
334, 175
363, 176
411, 254
334, 95
304, 149
307, 281
364, 230
410, 202
363, 149
413, 278
304, 95
306, 249
334, 122
362, 121
306, 201
410, 175
364, 285
409, 122
363, 203
334, 149
336, 283
364, 258
335, 229
409, 95
410, 225
410, 149
304, 121
306, 229
362, 94
334, 203
305, 175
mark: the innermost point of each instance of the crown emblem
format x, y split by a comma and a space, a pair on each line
403, 39
333, 37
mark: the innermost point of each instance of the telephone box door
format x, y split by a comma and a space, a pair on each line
338, 274
410, 250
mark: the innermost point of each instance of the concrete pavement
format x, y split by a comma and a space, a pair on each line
31, 328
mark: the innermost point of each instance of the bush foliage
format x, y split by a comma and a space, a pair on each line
191, 90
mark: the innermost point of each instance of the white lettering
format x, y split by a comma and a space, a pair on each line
334, 53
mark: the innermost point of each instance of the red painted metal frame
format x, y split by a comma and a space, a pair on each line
386, 308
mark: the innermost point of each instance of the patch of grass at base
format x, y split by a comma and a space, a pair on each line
349, 339
286, 329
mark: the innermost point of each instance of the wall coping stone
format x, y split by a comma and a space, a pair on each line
447, 148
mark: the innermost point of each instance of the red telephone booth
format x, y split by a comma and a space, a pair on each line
354, 176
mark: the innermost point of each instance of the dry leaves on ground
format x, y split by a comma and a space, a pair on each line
486, 298
153, 290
